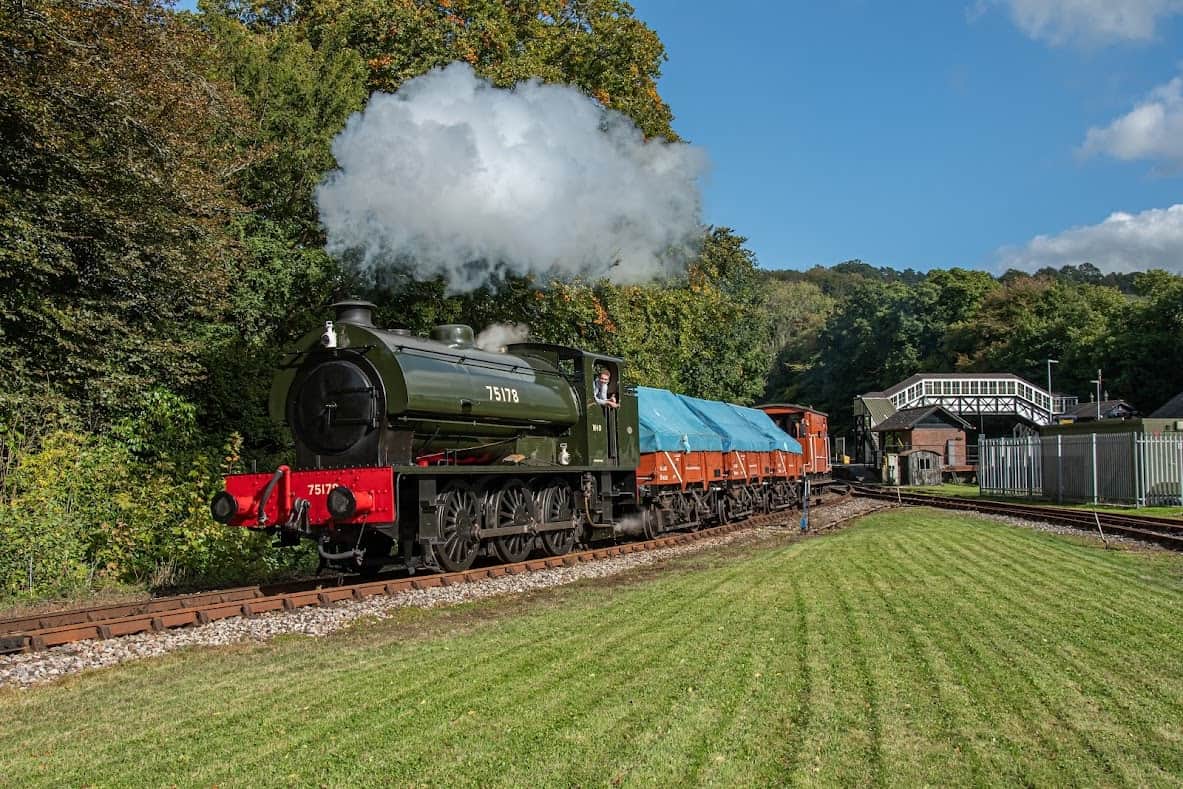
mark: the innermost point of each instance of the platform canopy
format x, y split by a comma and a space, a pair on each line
668, 425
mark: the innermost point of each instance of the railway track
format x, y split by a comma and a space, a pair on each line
42, 631
1162, 531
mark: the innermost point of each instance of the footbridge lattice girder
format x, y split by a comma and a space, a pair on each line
1002, 395
995, 405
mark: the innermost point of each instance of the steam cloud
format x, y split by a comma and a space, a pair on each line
453, 176
499, 335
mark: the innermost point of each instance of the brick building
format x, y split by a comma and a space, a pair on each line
932, 428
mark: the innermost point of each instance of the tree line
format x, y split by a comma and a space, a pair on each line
852, 328
160, 249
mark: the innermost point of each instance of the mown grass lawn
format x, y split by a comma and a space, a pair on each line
915, 648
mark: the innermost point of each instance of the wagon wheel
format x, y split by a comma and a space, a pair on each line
683, 510
723, 506
511, 506
780, 494
652, 521
458, 516
749, 499
557, 504
792, 492
738, 502
763, 500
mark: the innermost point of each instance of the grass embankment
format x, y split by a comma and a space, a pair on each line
973, 491
917, 648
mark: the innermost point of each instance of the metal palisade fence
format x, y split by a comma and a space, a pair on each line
1121, 468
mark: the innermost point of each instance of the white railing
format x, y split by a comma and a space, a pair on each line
978, 395
1122, 468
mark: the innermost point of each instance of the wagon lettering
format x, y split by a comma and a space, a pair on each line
321, 488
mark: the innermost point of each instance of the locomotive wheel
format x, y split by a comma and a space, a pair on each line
459, 519
510, 506
653, 521
558, 504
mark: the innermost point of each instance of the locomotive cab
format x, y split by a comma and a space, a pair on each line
604, 436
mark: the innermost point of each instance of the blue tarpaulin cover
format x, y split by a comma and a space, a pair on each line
666, 424
736, 430
762, 422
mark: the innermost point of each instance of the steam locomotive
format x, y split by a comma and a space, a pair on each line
428, 452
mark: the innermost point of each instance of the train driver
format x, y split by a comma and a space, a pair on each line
603, 378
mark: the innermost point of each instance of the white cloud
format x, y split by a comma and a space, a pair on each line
1152, 130
1123, 242
1087, 22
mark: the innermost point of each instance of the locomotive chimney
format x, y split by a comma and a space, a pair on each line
355, 311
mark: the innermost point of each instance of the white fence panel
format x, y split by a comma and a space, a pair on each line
1120, 468
1161, 470
1010, 466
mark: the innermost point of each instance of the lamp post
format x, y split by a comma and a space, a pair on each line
1050, 398
1097, 381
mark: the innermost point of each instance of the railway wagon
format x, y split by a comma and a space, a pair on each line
808, 426
427, 452
703, 460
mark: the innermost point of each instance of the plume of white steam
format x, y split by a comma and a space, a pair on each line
451, 175
498, 335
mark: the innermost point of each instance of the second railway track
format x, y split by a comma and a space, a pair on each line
1161, 531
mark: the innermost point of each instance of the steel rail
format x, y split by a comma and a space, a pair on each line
35, 633
189, 610
1162, 531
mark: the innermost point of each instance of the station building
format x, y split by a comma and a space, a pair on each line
988, 404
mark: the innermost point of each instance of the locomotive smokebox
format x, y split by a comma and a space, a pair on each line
355, 311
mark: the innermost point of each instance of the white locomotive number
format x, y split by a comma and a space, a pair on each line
502, 394
321, 488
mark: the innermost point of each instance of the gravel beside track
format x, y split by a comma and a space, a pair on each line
25, 670
1074, 531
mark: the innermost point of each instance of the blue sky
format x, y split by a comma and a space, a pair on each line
934, 134
974, 133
